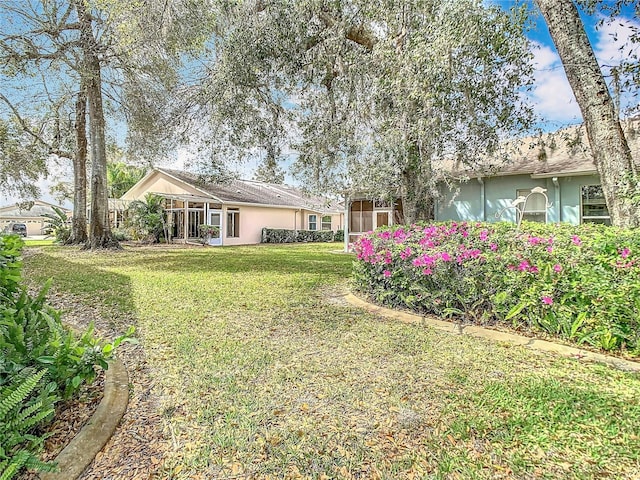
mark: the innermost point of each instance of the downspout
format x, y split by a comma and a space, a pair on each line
482, 199
556, 184
346, 223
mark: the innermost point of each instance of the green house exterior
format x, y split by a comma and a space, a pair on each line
560, 163
488, 199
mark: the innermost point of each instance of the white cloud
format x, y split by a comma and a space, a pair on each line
552, 96
613, 35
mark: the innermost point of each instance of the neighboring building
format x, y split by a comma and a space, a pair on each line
559, 162
30, 213
240, 208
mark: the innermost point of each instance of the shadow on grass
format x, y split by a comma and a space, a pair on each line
108, 291
245, 260
538, 410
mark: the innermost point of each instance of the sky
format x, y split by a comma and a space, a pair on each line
551, 96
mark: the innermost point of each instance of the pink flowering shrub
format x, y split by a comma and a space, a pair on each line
579, 283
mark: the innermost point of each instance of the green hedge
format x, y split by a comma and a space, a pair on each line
578, 283
281, 235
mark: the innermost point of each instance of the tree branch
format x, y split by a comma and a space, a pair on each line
25, 126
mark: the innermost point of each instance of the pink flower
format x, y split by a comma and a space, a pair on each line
625, 252
547, 300
576, 240
427, 271
445, 257
493, 247
535, 240
484, 234
524, 266
533, 269
550, 249
386, 273
557, 268
406, 253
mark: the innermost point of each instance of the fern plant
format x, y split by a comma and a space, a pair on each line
24, 404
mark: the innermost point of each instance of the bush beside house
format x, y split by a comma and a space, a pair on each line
579, 283
281, 235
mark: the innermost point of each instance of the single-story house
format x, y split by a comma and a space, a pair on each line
559, 163
555, 173
31, 213
239, 208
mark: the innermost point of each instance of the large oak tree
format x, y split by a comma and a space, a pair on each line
379, 95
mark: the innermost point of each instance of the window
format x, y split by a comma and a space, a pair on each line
361, 216
313, 222
233, 222
326, 222
594, 207
535, 208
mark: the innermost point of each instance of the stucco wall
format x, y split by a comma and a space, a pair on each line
159, 183
501, 191
254, 219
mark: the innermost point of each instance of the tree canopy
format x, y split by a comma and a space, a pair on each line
374, 96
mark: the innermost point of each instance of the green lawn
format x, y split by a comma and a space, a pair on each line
262, 372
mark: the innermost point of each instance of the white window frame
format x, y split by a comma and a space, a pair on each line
589, 218
314, 221
233, 223
324, 223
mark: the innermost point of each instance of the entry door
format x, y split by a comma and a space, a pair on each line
215, 219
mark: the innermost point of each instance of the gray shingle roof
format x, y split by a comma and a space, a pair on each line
255, 192
564, 152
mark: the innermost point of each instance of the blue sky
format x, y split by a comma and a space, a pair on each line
552, 97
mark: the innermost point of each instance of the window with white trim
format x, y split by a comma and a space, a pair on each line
233, 223
326, 222
312, 222
535, 209
593, 208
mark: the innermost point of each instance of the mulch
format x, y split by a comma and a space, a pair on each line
138, 447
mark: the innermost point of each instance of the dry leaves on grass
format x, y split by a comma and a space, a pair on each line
137, 448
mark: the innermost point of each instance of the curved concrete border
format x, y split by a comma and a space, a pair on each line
94, 435
481, 332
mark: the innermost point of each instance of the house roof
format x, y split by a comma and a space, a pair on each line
32, 209
255, 193
562, 153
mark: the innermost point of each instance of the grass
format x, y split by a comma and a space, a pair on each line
262, 373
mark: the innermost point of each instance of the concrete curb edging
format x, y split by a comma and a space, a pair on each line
93, 436
495, 335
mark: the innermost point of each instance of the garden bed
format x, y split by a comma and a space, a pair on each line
577, 284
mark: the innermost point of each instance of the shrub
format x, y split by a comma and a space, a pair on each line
25, 403
33, 338
579, 283
10, 266
338, 236
281, 235
58, 225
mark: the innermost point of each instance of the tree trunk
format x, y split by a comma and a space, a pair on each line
79, 224
100, 235
417, 202
608, 144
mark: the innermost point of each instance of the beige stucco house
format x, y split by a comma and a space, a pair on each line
30, 213
240, 208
